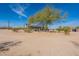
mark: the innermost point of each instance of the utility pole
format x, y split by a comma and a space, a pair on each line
8, 24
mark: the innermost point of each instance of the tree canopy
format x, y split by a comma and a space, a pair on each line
47, 15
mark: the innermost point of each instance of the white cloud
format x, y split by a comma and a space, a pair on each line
18, 9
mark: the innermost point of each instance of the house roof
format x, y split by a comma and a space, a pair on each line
38, 24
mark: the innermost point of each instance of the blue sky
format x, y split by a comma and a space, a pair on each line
18, 14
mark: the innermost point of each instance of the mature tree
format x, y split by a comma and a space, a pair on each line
47, 15
31, 20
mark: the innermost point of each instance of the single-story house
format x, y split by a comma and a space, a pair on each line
37, 26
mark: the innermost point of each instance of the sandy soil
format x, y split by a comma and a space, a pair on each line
41, 43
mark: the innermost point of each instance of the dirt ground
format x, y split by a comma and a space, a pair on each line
39, 43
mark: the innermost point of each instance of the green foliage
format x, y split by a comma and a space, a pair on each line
77, 27
67, 30
31, 19
27, 30
60, 29
46, 15
45, 27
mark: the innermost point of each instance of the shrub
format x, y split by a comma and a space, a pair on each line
28, 29
67, 30
60, 29
15, 29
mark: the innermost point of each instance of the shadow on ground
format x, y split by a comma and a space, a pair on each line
5, 46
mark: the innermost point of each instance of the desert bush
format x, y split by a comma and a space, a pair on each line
60, 29
15, 29
28, 29
67, 30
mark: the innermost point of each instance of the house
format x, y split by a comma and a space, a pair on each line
38, 26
